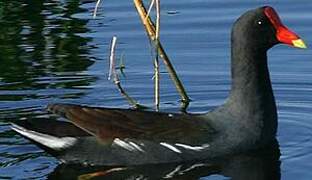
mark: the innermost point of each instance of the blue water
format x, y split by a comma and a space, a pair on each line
54, 51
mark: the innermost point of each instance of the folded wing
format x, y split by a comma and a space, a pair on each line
108, 123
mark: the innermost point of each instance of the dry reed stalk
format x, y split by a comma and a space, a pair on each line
150, 8
96, 8
156, 60
156, 76
151, 31
112, 72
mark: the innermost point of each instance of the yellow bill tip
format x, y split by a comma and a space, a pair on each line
299, 43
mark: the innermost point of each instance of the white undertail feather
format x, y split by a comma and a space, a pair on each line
56, 143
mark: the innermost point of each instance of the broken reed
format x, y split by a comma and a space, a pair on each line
112, 72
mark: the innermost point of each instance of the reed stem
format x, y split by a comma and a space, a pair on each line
151, 31
112, 72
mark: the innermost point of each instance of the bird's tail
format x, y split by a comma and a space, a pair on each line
52, 136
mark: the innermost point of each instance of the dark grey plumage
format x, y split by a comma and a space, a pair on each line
107, 136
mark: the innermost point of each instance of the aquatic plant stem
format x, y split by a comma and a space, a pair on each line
156, 61
151, 31
96, 8
112, 72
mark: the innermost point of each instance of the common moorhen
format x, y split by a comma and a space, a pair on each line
246, 121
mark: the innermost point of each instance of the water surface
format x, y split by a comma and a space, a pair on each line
54, 51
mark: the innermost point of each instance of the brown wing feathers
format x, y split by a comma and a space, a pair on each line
107, 124
96, 122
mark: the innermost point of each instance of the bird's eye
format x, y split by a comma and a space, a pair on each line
261, 22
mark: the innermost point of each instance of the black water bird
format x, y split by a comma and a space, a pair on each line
246, 121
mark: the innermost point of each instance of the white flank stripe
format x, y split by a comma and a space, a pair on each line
136, 146
194, 148
169, 146
45, 139
130, 146
124, 144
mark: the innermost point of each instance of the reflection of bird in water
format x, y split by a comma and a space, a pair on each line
261, 165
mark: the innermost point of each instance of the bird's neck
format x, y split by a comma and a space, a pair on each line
251, 97
250, 74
